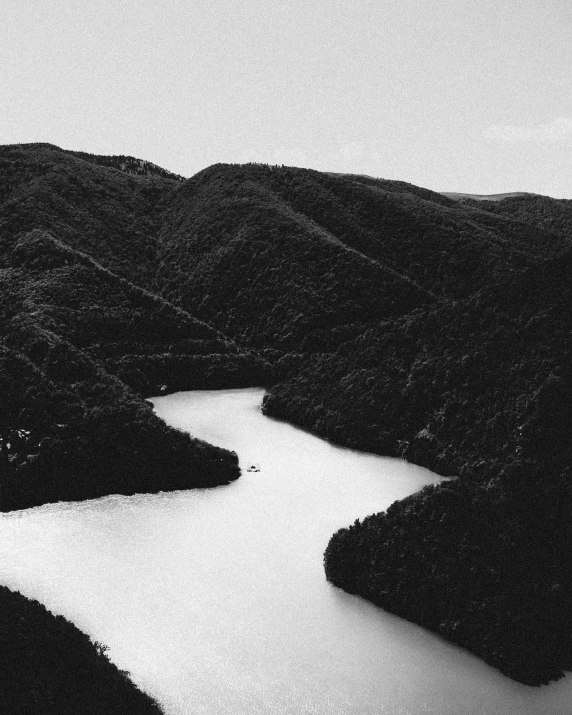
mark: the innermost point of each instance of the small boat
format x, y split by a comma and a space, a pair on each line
253, 468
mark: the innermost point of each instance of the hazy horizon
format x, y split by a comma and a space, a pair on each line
455, 97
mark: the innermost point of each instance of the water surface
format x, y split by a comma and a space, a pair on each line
216, 602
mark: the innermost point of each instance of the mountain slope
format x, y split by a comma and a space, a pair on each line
239, 256
480, 388
71, 430
50, 667
94, 208
451, 386
128, 165
553, 215
277, 256
381, 315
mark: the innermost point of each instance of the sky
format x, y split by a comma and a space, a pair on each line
453, 95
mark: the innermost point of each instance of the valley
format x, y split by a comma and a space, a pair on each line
377, 315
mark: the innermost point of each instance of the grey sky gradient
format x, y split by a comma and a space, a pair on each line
454, 95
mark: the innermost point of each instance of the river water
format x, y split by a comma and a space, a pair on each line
216, 602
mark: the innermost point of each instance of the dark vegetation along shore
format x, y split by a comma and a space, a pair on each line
49, 667
380, 315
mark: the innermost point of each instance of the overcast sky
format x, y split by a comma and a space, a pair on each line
458, 95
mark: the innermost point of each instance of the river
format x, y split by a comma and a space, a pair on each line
216, 602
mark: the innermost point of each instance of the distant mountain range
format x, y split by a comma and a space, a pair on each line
380, 315
484, 197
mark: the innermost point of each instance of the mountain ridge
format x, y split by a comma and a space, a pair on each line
459, 196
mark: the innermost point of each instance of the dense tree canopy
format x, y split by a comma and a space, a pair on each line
380, 315
49, 667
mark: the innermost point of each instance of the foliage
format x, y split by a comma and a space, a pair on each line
50, 667
279, 256
234, 252
128, 165
381, 315
554, 215
111, 215
484, 564
75, 431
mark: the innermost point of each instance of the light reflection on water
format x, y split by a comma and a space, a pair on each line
215, 600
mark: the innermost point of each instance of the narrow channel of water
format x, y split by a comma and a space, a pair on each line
216, 602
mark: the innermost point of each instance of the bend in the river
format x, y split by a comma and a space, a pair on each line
215, 600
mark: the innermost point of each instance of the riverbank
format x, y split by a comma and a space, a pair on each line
49, 666
215, 600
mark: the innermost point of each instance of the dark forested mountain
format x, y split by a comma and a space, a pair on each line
50, 668
70, 429
457, 386
107, 213
80, 344
303, 253
380, 315
231, 232
128, 164
554, 215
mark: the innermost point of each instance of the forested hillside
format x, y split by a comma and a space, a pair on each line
554, 215
128, 165
70, 429
302, 253
229, 234
80, 346
480, 388
79, 329
379, 315
466, 387
97, 209
50, 667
